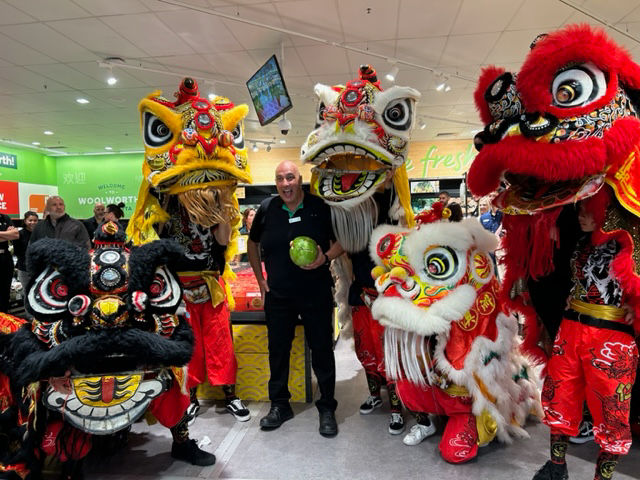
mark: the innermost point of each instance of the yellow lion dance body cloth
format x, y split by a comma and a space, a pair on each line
195, 155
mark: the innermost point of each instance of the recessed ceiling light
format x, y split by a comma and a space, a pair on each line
282, 140
212, 96
48, 132
35, 143
82, 101
108, 148
112, 80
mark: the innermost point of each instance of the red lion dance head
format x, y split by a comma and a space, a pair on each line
561, 130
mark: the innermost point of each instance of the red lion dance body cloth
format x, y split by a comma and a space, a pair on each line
564, 130
447, 344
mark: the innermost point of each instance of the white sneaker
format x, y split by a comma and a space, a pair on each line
236, 408
396, 424
418, 433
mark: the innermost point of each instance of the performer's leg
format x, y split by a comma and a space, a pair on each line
606, 465
396, 422
459, 442
187, 449
610, 362
564, 388
220, 360
234, 405
367, 355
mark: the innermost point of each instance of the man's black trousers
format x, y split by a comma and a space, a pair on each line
316, 315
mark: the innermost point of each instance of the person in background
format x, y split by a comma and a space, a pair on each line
59, 224
290, 292
247, 220
491, 217
444, 198
7, 232
29, 222
113, 213
98, 216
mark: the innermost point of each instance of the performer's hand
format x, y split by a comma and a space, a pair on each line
318, 262
629, 315
62, 384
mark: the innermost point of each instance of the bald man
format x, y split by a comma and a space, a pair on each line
291, 291
91, 224
59, 224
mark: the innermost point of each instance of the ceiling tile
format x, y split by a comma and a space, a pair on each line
632, 16
10, 15
19, 54
11, 88
240, 65
466, 49
112, 7
541, 15
203, 33
613, 12
386, 48
321, 59
49, 42
66, 75
97, 37
512, 47
418, 18
47, 10
31, 80
149, 33
422, 51
253, 37
358, 25
484, 16
93, 70
323, 23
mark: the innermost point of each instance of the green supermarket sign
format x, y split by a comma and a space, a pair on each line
8, 160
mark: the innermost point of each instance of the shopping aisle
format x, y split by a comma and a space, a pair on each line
362, 450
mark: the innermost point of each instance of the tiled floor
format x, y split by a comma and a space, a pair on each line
362, 450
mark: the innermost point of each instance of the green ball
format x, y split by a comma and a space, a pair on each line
303, 251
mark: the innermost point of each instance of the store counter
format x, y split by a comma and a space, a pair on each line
251, 347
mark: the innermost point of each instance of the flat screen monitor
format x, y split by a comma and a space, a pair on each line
268, 92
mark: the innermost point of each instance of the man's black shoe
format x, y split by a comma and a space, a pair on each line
190, 452
276, 417
328, 425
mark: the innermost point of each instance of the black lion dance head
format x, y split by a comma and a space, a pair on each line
105, 332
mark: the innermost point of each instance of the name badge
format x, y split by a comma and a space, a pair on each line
294, 219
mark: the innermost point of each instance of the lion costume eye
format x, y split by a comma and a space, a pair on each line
164, 291
578, 86
440, 263
49, 294
238, 138
156, 132
397, 114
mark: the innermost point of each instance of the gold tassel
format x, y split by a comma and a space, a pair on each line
401, 184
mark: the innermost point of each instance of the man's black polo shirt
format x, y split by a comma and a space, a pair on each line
274, 227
